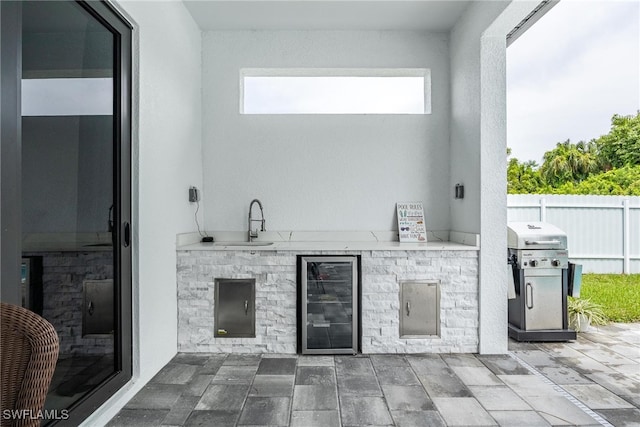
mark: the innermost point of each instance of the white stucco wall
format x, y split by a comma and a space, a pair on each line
166, 161
322, 172
478, 150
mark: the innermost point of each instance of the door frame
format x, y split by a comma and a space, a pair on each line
11, 175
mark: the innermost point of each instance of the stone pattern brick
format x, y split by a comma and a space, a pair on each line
63, 274
381, 275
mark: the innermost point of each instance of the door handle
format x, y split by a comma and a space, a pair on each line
90, 308
529, 295
126, 238
408, 308
246, 307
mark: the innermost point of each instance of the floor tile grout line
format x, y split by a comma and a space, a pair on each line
335, 376
564, 393
384, 397
293, 391
246, 396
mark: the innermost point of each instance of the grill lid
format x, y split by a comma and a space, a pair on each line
535, 235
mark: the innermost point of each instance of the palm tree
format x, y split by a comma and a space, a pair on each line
569, 162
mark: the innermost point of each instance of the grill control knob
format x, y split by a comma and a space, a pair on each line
533, 263
555, 262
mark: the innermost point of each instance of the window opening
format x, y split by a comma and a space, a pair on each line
335, 91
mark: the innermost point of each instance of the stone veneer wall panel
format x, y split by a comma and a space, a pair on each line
63, 274
275, 274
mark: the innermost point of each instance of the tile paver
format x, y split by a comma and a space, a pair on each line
181, 410
271, 411
417, 419
596, 397
475, 375
361, 385
364, 411
175, 373
223, 397
211, 418
272, 385
499, 398
622, 417
315, 419
396, 375
564, 375
139, 418
235, 374
315, 375
519, 419
407, 398
198, 385
463, 411
528, 385
277, 366
315, 398
220, 390
156, 396
315, 361
617, 383
558, 410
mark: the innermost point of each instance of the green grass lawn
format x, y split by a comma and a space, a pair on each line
618, 294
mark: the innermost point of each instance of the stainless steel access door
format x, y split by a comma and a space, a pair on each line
234, 312
419, 308
543, 300
329, 304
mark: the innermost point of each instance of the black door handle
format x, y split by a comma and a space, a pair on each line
126, 241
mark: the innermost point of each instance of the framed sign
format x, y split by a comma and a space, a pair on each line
411, 226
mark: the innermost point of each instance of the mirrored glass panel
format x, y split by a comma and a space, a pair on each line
68, 189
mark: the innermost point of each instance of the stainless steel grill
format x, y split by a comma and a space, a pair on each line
537, 253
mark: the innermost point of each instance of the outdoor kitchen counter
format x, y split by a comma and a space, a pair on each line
449, 259
333, 246
360, 241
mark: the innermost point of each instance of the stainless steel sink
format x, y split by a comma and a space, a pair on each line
242, 243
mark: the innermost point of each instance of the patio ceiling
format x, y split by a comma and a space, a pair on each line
417, 15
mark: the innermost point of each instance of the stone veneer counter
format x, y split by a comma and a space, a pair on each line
384, 265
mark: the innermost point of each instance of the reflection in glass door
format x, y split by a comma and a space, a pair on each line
75, 191
329, 304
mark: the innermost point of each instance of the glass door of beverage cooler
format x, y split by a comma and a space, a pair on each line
329, 304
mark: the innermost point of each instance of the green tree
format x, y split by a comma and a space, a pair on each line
522, 178
621, 146
608, 165
624, 181
569, 163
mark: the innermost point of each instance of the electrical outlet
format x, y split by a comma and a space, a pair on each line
194, 195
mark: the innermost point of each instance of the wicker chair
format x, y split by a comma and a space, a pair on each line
28, 352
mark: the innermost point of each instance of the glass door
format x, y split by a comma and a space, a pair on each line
329, 304
73, 203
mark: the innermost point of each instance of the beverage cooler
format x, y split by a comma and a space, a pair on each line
328, 304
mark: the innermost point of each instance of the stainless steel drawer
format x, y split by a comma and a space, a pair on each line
235, 308
419, 308
97, 312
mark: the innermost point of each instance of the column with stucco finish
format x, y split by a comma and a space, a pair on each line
478, 150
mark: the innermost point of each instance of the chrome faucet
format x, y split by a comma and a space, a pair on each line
253, 234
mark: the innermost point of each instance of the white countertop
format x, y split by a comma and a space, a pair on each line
332, 246
67, 242
329, 241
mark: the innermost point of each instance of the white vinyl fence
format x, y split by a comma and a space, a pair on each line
603, 232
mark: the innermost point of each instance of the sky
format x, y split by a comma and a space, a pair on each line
570, 73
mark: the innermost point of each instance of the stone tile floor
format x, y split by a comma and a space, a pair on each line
590, 382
